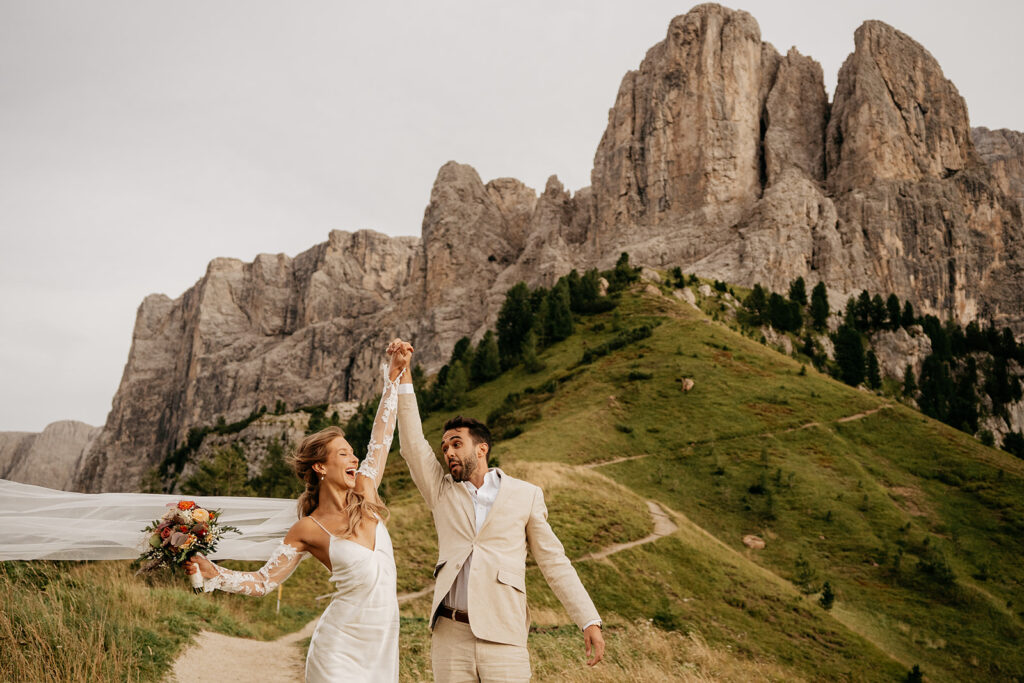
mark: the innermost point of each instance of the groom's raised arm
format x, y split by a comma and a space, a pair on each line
426, 472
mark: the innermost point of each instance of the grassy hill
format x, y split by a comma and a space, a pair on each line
915, 526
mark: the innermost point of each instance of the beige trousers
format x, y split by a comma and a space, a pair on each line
460, 657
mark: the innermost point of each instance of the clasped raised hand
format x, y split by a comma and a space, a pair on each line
400, 353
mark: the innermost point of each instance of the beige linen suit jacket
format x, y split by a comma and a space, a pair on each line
497, 577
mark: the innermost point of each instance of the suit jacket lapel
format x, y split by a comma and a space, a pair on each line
499, 500
464, 501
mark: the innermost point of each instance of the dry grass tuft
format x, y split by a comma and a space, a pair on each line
638, 651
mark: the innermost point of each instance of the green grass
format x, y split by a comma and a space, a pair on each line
918, 528
94, 621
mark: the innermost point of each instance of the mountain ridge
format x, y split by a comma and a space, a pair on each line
721, 156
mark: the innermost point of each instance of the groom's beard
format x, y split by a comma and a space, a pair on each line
462, 470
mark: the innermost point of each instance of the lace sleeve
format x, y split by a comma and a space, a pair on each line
279, 567
383, 429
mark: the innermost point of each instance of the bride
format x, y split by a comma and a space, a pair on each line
341, 523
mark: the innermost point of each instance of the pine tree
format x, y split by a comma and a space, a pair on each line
892, 306
936, 388
757, 304
907, 318
530, 360
623, 273
796, 316
828, 596
805, 575
862, 312
486, 361
874, 377
819, 306
359, 427
878, 312
976, 340
963, 408
575, 290
779, 312
849, 355
590, 290
462, 351
909, 382
514, 321
277, 479
678, 279
558, 325
810, 348
850, 313
455, 386
798, 291
541, 323
1013, 443
225, 474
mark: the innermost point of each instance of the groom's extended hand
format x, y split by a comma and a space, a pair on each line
593, 639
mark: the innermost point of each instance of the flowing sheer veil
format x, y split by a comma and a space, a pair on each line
37, 523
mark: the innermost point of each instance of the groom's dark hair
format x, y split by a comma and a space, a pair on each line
478, 431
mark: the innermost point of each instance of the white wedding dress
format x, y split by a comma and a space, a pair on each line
356, 638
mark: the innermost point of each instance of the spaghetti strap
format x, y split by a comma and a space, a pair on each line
321, 525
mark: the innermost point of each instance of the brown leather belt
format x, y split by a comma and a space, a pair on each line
453, 614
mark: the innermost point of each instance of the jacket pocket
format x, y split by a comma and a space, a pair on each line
440, 565
514, 579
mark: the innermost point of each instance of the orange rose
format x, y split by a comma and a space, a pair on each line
200, 515
183, 528
186, 504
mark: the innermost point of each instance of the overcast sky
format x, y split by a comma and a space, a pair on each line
140, 139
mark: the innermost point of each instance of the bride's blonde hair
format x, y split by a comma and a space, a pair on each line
313, 450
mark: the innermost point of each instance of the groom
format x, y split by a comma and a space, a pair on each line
485, 520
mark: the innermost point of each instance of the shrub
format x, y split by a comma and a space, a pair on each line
225, 474
1013, 443
828, 596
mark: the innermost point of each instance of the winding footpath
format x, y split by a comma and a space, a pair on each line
217, 657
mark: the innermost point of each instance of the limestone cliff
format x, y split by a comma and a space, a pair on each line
1003, 152
721, 156
49, 458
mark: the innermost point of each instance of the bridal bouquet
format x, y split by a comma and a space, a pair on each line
184, 530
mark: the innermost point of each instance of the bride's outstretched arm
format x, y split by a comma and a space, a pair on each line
372, 467
283, 561
278, 568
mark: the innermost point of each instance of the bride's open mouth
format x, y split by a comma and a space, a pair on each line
351, 472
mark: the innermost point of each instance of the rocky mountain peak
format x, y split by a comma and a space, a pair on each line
895, 116
684, 133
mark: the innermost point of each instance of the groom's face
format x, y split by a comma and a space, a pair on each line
460, 453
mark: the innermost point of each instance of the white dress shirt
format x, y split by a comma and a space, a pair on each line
483, 500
